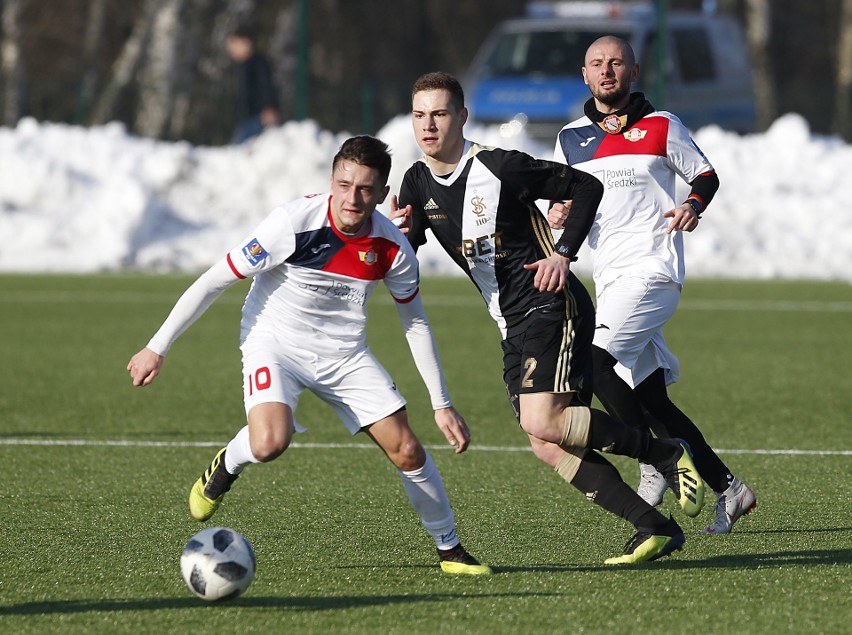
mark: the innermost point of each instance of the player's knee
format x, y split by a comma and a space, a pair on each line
548, 453
653, 394
268, 443
409, 455
533, 425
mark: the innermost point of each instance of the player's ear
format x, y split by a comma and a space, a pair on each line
634, 74
384, 194
585, 79
463, 116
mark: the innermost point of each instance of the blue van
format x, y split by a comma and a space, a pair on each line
526, 76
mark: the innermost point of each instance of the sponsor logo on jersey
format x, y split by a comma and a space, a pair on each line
613, 124
254, 252
634, 134
484, 249
368, 257
319, 248
614, 179
588, 140
430, 205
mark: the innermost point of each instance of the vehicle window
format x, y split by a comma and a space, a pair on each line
694, 55
543, 53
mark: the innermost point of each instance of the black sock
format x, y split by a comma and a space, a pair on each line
608, 434
601, 483
613, 392
654, 396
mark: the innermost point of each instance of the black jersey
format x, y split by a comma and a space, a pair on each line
485, 217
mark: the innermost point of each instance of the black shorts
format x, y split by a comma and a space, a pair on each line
552, 354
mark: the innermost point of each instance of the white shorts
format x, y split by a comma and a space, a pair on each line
631, 312
357, 387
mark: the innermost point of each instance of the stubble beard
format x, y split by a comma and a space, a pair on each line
613, 98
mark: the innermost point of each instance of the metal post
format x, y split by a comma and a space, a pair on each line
301, 96
661, 54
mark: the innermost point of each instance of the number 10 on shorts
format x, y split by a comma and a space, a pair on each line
261, 379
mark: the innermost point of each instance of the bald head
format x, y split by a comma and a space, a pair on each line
608, 43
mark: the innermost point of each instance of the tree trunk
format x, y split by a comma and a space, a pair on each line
124, 68
283, 53
843, 95
91, 51
758, 32
157, 80
12, 68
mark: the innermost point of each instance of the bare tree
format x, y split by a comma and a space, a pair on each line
843, 95
124, 68
758, 33
282, 49
12, 68
157, 78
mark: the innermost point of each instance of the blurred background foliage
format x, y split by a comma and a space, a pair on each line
161, 68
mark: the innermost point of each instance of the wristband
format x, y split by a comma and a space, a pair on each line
563, 251
696, 206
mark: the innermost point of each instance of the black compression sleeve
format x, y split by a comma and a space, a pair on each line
586, 195
704, 188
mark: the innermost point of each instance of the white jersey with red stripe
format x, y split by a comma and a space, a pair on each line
638, 169
310, 289
312, 282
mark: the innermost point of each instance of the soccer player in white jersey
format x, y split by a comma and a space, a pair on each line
479, 204
636, 244
314, 263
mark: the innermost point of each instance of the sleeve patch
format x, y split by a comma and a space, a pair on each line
254, 252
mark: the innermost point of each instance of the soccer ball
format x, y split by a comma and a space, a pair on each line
218, 564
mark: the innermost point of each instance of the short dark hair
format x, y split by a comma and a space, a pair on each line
244, 31
439, 80
367, 151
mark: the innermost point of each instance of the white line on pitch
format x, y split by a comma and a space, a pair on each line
355, 446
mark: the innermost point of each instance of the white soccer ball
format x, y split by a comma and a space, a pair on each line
218, 564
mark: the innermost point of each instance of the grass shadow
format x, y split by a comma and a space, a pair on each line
827, 557
293, 603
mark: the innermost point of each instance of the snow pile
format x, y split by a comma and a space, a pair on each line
83, 200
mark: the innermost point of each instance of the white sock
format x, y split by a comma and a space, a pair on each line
238, 454
427, 495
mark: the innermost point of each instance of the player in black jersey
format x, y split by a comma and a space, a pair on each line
479, 203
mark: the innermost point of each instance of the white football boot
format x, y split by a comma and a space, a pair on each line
652, 485
736, 501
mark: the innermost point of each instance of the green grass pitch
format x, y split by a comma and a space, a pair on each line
95, 475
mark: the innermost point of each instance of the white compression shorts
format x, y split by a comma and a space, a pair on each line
631, 313
356, 386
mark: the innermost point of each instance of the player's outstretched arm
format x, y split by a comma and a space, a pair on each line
145, 366
453, 425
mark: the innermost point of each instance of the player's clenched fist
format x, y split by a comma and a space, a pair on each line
144, 367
